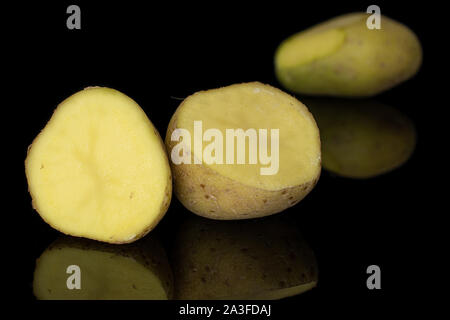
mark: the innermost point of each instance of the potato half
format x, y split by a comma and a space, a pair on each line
107, 272
255, 259
232, 190
343, 57
99, 169
363, 138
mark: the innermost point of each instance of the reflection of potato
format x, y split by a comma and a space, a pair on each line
362, 139
342, 57
108, 272
254, 259
238, 191
99, 169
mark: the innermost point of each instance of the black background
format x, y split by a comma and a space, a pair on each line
158, 54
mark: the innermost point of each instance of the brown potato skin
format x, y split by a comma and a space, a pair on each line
210, 195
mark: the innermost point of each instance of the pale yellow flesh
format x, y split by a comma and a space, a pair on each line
257, 106
104, 276
98, 169
308, 46
316, 42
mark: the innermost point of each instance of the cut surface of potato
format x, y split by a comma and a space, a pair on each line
99, 169
222, 188
255, 259
106, 272
309, 47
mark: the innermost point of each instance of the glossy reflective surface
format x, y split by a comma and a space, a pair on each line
75, 268
248, 259
362, 138
255, 259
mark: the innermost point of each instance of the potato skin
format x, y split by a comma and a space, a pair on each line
208, 194
367, 63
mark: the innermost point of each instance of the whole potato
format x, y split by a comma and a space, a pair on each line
362, 139
343, 57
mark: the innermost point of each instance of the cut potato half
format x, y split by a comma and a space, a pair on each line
216, 185
105, 272
99, 169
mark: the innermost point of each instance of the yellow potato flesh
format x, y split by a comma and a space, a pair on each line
98, 169
309, 46
316, 42
257, 106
